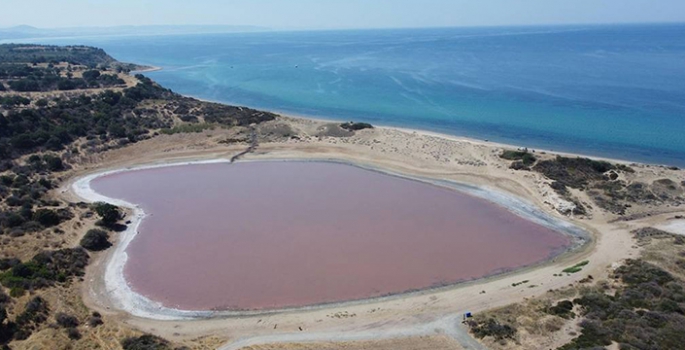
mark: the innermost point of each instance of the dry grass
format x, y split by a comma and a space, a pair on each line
535, 327
418, 343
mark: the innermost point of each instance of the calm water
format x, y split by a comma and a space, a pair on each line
276, 234
616, 91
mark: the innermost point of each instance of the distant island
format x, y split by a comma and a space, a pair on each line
27, 32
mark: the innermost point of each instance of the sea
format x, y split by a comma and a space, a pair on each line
615, 91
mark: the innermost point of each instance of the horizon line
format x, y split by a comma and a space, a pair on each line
280, 29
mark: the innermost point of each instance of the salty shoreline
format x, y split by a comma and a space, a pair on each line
410, 154
124, 298
420, 154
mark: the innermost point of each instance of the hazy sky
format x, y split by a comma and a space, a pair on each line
335, 13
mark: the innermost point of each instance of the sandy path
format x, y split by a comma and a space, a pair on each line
448, 326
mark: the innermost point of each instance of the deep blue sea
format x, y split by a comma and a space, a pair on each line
614, 91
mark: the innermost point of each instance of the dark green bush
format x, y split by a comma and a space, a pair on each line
492, 328
66, 321
35, 312
145, 342
563, 309
95, 240
47, 217
352, 126
45, 269
525, 157
646, 314
109, 213
73, 334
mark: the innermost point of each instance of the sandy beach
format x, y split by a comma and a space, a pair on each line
411, 153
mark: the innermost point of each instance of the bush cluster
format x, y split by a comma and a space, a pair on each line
77, 55
145, 342
648, 313
95, 240
44, 270
491, 328
524, 158
352, 126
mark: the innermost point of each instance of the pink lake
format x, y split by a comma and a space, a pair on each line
265, 235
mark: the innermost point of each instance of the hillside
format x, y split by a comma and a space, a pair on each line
60, 108
78, 55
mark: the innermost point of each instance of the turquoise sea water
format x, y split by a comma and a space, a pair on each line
614, 91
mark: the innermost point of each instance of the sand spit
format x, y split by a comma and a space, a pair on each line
121, 296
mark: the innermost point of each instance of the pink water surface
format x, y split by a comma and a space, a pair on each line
279, 234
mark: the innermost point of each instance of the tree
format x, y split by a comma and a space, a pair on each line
25, 85
109, 213
54, 163
91, 74
96, 240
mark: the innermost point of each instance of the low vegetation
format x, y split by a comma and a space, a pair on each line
95, 240
44, 270
109, 214
187, 128
145, 342
641, 306
603, 182
523, 160
34, 314
562, 309
35, 54
647, 313
81, 104
352, 126
519, 283
576, 268
491, 328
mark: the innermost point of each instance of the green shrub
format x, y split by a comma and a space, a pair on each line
47, 217
17, 292
109, 213
145, 342
95, 240
66, 321
45, 269
563, 309
35, 312
525, 157
352, 126
646, 313
577, 267
53, 163
492, 328
187, 129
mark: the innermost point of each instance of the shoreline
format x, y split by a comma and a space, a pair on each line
145, 69
413, 153
124, 298
454, 137
394, 151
